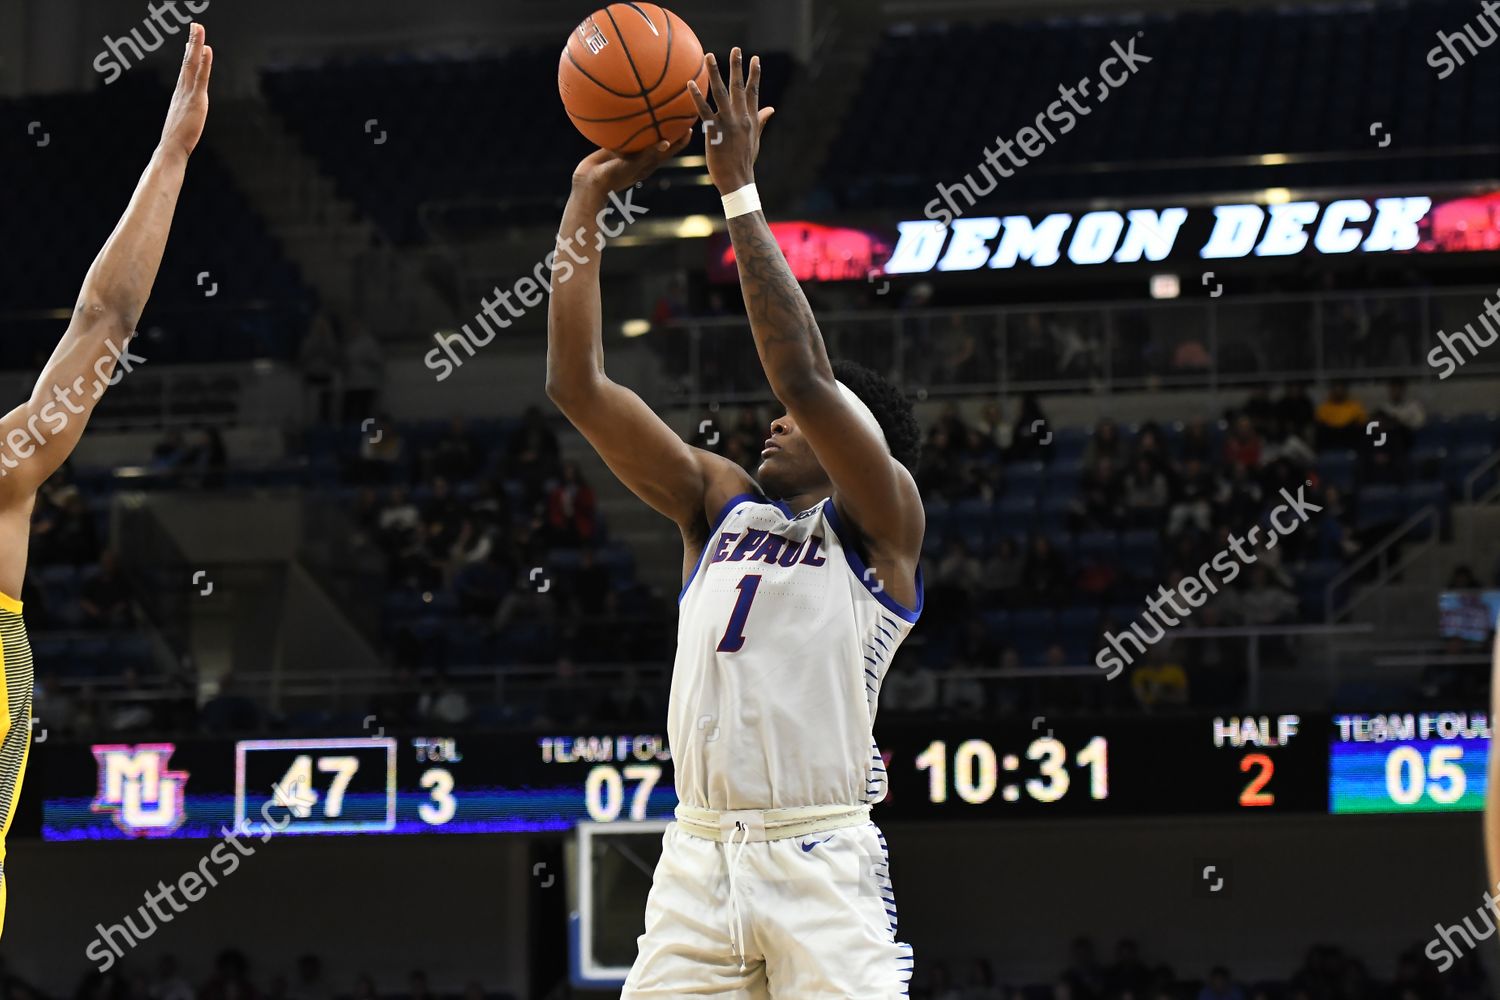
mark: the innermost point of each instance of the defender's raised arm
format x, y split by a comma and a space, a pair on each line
41, 433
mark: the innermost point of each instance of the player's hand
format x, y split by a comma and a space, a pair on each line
604, 170
189, 108
733, 132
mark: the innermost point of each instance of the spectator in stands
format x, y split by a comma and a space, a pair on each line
309, 983
132, 707
398, 523
909, 688
1030, 430
953, 584
231, 979
940, 985
981, 985
939, 471
441, 516
1001, 574
62, 530
1266, 601
1100, 503
1400, 416
561, 706
228, 711
1194, 494
442, 701
1243, 445
1144, 494
364, 374
1044, 577
1295, 415
1197, 442
1160, 682
381, 451
1341, 419
169, 983
672, 304
572, 512
455, 455
627, 702
963, 697
207, 459
1220, 986
106, 598
320, 358
1105, 443
1084, 975
1128, 976
533, 453
1259, 410
1149, 445
523, 601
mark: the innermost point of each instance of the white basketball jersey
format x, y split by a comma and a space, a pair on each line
783, 639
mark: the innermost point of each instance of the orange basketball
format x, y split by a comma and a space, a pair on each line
623, 76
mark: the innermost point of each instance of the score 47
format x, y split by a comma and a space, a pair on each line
298, 793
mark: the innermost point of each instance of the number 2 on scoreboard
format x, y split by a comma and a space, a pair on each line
1253, 795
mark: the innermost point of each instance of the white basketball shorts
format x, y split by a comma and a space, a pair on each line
815, 920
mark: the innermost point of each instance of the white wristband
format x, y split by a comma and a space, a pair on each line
741, 202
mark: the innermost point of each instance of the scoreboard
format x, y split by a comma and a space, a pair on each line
1417, 762
479, 783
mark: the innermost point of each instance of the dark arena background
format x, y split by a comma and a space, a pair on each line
1148, 271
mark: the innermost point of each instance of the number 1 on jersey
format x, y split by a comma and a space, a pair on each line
734, 635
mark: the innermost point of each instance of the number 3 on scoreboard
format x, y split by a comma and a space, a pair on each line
1252, 795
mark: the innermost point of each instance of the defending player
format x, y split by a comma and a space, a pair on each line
39, 435
799, 584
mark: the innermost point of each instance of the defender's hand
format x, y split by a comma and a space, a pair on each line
189, 108
604, 170
733, 132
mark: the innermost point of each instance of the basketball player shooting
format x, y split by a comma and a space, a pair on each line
40, 434
799, 584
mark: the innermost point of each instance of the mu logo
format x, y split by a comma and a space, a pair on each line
145, 798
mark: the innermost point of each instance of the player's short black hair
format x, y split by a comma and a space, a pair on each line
893, 411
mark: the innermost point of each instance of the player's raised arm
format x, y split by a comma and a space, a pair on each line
877, 491
675, 478
40, 434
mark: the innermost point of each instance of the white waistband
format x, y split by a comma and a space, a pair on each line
768, 824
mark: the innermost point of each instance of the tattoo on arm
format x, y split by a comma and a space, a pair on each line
786, 334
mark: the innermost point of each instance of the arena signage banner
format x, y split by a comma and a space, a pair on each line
1341, 227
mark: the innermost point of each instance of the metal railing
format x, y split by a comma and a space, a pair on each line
1389, 558
1101, 347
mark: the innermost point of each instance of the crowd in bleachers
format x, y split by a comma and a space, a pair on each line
1326, 973
233, 977
1042, 540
